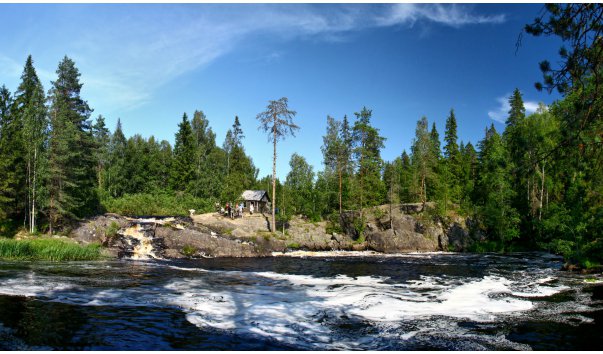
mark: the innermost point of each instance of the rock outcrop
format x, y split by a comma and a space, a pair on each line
408, 229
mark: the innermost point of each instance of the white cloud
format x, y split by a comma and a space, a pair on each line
126, 53
502, 112
452, 15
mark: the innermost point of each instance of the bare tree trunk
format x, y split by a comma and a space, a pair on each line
272, 226
541, 194
33, 199
340, 207
391, 195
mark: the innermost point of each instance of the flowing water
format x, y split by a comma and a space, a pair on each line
332, 301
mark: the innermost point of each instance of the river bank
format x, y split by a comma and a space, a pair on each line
407, 229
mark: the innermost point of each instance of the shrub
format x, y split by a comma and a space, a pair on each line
111, 231
294, 245
189, 250
156, 204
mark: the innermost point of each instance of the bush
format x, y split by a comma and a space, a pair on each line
189, 250
156, 204
47, 250
111, 231
333, 224
294, 245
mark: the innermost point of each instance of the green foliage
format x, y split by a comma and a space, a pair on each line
183, 167
158, 204
189, 251
333, 224
294, 245
47, 250
72, 184
111, 231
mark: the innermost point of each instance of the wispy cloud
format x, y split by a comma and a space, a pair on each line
126, 53
501, 113
452, 15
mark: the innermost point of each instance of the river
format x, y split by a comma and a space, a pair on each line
336, 300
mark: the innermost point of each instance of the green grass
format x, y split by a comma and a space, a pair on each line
47, 250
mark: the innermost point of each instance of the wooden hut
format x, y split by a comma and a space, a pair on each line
259, 200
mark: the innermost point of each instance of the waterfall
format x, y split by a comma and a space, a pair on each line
138, 241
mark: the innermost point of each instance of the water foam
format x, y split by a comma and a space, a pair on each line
303, 309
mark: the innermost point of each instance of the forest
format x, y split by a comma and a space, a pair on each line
535, 185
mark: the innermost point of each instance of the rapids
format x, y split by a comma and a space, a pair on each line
316, 301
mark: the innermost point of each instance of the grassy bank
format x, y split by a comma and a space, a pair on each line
47, 250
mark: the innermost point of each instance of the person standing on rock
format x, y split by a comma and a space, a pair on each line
251, 209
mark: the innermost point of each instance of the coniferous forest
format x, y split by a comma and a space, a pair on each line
535, 185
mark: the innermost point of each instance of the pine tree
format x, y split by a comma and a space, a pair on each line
277, 121
102, 139
31, 112
72, 187
367, 144
423, 159
183, 169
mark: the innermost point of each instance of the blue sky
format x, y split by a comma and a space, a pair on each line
149, 63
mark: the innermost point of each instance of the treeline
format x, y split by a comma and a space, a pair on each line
538, 184
57, 165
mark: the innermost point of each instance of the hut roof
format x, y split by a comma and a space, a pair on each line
255, 196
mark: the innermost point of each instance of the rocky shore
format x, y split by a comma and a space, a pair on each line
407, 229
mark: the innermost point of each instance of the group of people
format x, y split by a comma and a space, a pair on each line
233, 210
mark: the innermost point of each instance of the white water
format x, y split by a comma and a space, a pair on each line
305, 310
288, 308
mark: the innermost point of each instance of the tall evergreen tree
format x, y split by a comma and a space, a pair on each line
452, 158
72, 190
367, 145
207, 175
183, 168
115, 180
423, 159
30, 110
332, 152
102, 139
8, 174
495, 189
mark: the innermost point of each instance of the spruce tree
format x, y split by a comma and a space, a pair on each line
183, 169
72, 184
452, 158
30, 110
332, 152
495, 189
8, 175
115, 181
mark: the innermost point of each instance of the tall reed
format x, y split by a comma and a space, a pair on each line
47, 250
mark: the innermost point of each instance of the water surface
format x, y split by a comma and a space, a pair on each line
338, 301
